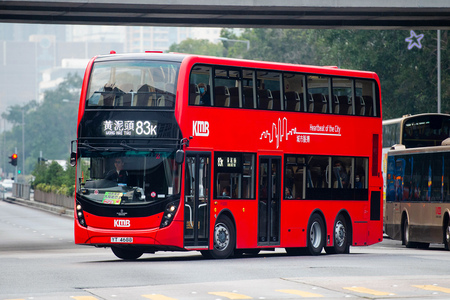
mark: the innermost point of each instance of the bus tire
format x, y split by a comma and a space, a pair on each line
341, 237
224, 238
405, 235
447, 235
206, 254
126, 254
316, 235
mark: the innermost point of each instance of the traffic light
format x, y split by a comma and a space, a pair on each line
13, 159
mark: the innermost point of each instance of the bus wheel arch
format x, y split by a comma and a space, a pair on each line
316, 233
342, 234
446, 231
224, 236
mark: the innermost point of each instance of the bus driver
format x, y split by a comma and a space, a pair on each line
118, 174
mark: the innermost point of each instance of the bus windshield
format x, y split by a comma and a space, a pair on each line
132, 83
128, 178
426, 130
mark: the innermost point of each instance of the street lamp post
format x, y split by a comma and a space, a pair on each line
23, 144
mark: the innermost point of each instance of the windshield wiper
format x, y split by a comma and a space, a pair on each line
85, 144
123, 144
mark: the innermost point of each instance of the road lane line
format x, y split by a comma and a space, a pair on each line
301, 293
230, 295
363, 290
84, 298
158, 297
433, 288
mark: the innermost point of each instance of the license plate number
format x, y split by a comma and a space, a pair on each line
121, 240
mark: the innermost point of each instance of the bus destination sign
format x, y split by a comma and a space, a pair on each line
129, 128
227, 162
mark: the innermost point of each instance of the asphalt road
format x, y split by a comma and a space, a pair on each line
38, 260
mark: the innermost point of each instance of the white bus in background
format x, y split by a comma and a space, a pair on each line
416, 173
412, 131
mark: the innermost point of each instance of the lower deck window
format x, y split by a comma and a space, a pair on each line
325, 177
234, 175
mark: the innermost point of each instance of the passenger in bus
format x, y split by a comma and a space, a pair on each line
204, 95
341, 174
226, 192
287, 193
358, 183
118, 174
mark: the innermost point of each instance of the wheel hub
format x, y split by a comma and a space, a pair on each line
315, 235
222, 237
340, 234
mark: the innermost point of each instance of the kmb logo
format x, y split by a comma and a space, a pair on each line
121, 223
200, 128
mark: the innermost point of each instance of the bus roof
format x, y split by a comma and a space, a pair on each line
407, 151
409, 116
180, 57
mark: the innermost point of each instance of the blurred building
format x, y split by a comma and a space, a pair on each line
37, 57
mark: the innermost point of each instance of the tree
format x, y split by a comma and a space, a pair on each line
408, 77
281, 45
49, 126
201, 47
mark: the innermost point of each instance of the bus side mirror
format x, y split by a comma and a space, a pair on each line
73, 159
179, 157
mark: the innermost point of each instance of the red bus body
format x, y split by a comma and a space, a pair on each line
268, 135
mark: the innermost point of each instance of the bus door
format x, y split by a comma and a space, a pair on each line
269, 181
196, 202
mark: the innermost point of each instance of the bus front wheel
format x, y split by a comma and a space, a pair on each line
316, 235
224, 238
126, 254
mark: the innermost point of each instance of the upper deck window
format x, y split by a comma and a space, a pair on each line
128, 84
234, 87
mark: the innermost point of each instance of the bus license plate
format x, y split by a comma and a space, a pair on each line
121, 240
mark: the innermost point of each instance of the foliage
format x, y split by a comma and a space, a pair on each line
49, 127
200, 47
52, 178
408, 77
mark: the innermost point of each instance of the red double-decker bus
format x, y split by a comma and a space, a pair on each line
227, 157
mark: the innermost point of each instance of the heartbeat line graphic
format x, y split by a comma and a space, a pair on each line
281, 130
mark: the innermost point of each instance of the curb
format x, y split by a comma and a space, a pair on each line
58, 210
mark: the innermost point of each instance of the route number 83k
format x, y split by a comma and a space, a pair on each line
145, 128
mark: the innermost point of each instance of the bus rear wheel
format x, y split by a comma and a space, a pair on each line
405, 235
224, 238
341, 237
316, 234
447, 235
126, 254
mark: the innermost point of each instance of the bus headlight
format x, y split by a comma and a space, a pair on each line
80, 215
169, 214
